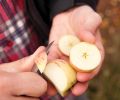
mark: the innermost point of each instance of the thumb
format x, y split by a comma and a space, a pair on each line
53, 53
86, 36
22, 65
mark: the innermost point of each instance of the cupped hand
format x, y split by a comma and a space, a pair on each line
83, 22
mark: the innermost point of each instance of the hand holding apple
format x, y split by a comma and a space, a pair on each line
82, 56
84, 23
61, 74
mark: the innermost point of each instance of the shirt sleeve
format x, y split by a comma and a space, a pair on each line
58, 6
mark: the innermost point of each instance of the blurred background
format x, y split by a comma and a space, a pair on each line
106, 86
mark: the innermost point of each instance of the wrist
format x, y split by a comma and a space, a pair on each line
72, 13
60, 19
81, 7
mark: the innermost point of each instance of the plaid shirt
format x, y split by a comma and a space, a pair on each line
16, 31
17, 36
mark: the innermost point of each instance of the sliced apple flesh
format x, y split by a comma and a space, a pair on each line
66, 43
41, 61
61, 74
85, 57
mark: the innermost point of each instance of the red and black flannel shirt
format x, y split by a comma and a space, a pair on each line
17, 36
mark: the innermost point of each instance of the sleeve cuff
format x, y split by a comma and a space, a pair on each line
58, 6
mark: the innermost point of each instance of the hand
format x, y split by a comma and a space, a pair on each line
18, 83
84, 23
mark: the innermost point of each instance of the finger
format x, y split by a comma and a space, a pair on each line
99, 44
84, 77
93, 24
96, 22
79, 88
28, 84
25, 64
51, 91
86, 36
24, 98
18, 98
54, 53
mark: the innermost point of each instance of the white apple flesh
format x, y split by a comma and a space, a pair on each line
61, 74
85, 57
41, 61
66, 43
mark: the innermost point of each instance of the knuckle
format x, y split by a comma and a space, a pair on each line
22, 61
43, 86
98, 17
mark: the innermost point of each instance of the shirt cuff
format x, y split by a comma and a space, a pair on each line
58, 6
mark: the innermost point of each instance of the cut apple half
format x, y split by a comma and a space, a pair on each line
66, 43
61, 74
85, 57
41, 61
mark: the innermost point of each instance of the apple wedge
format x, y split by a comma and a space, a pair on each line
41, 61
61, 74
85, 57
66, 43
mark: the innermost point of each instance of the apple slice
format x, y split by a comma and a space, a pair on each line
68, 70
41, 61
66, 43
61, 74
85, 57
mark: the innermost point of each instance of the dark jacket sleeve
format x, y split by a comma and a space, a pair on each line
57, 6
41, 12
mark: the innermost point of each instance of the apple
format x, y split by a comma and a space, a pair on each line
61, 74
66, 43
41, 61
85, 57
58, 71
82, 56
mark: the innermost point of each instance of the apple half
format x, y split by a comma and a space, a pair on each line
61, 74
66, 43
85, 57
